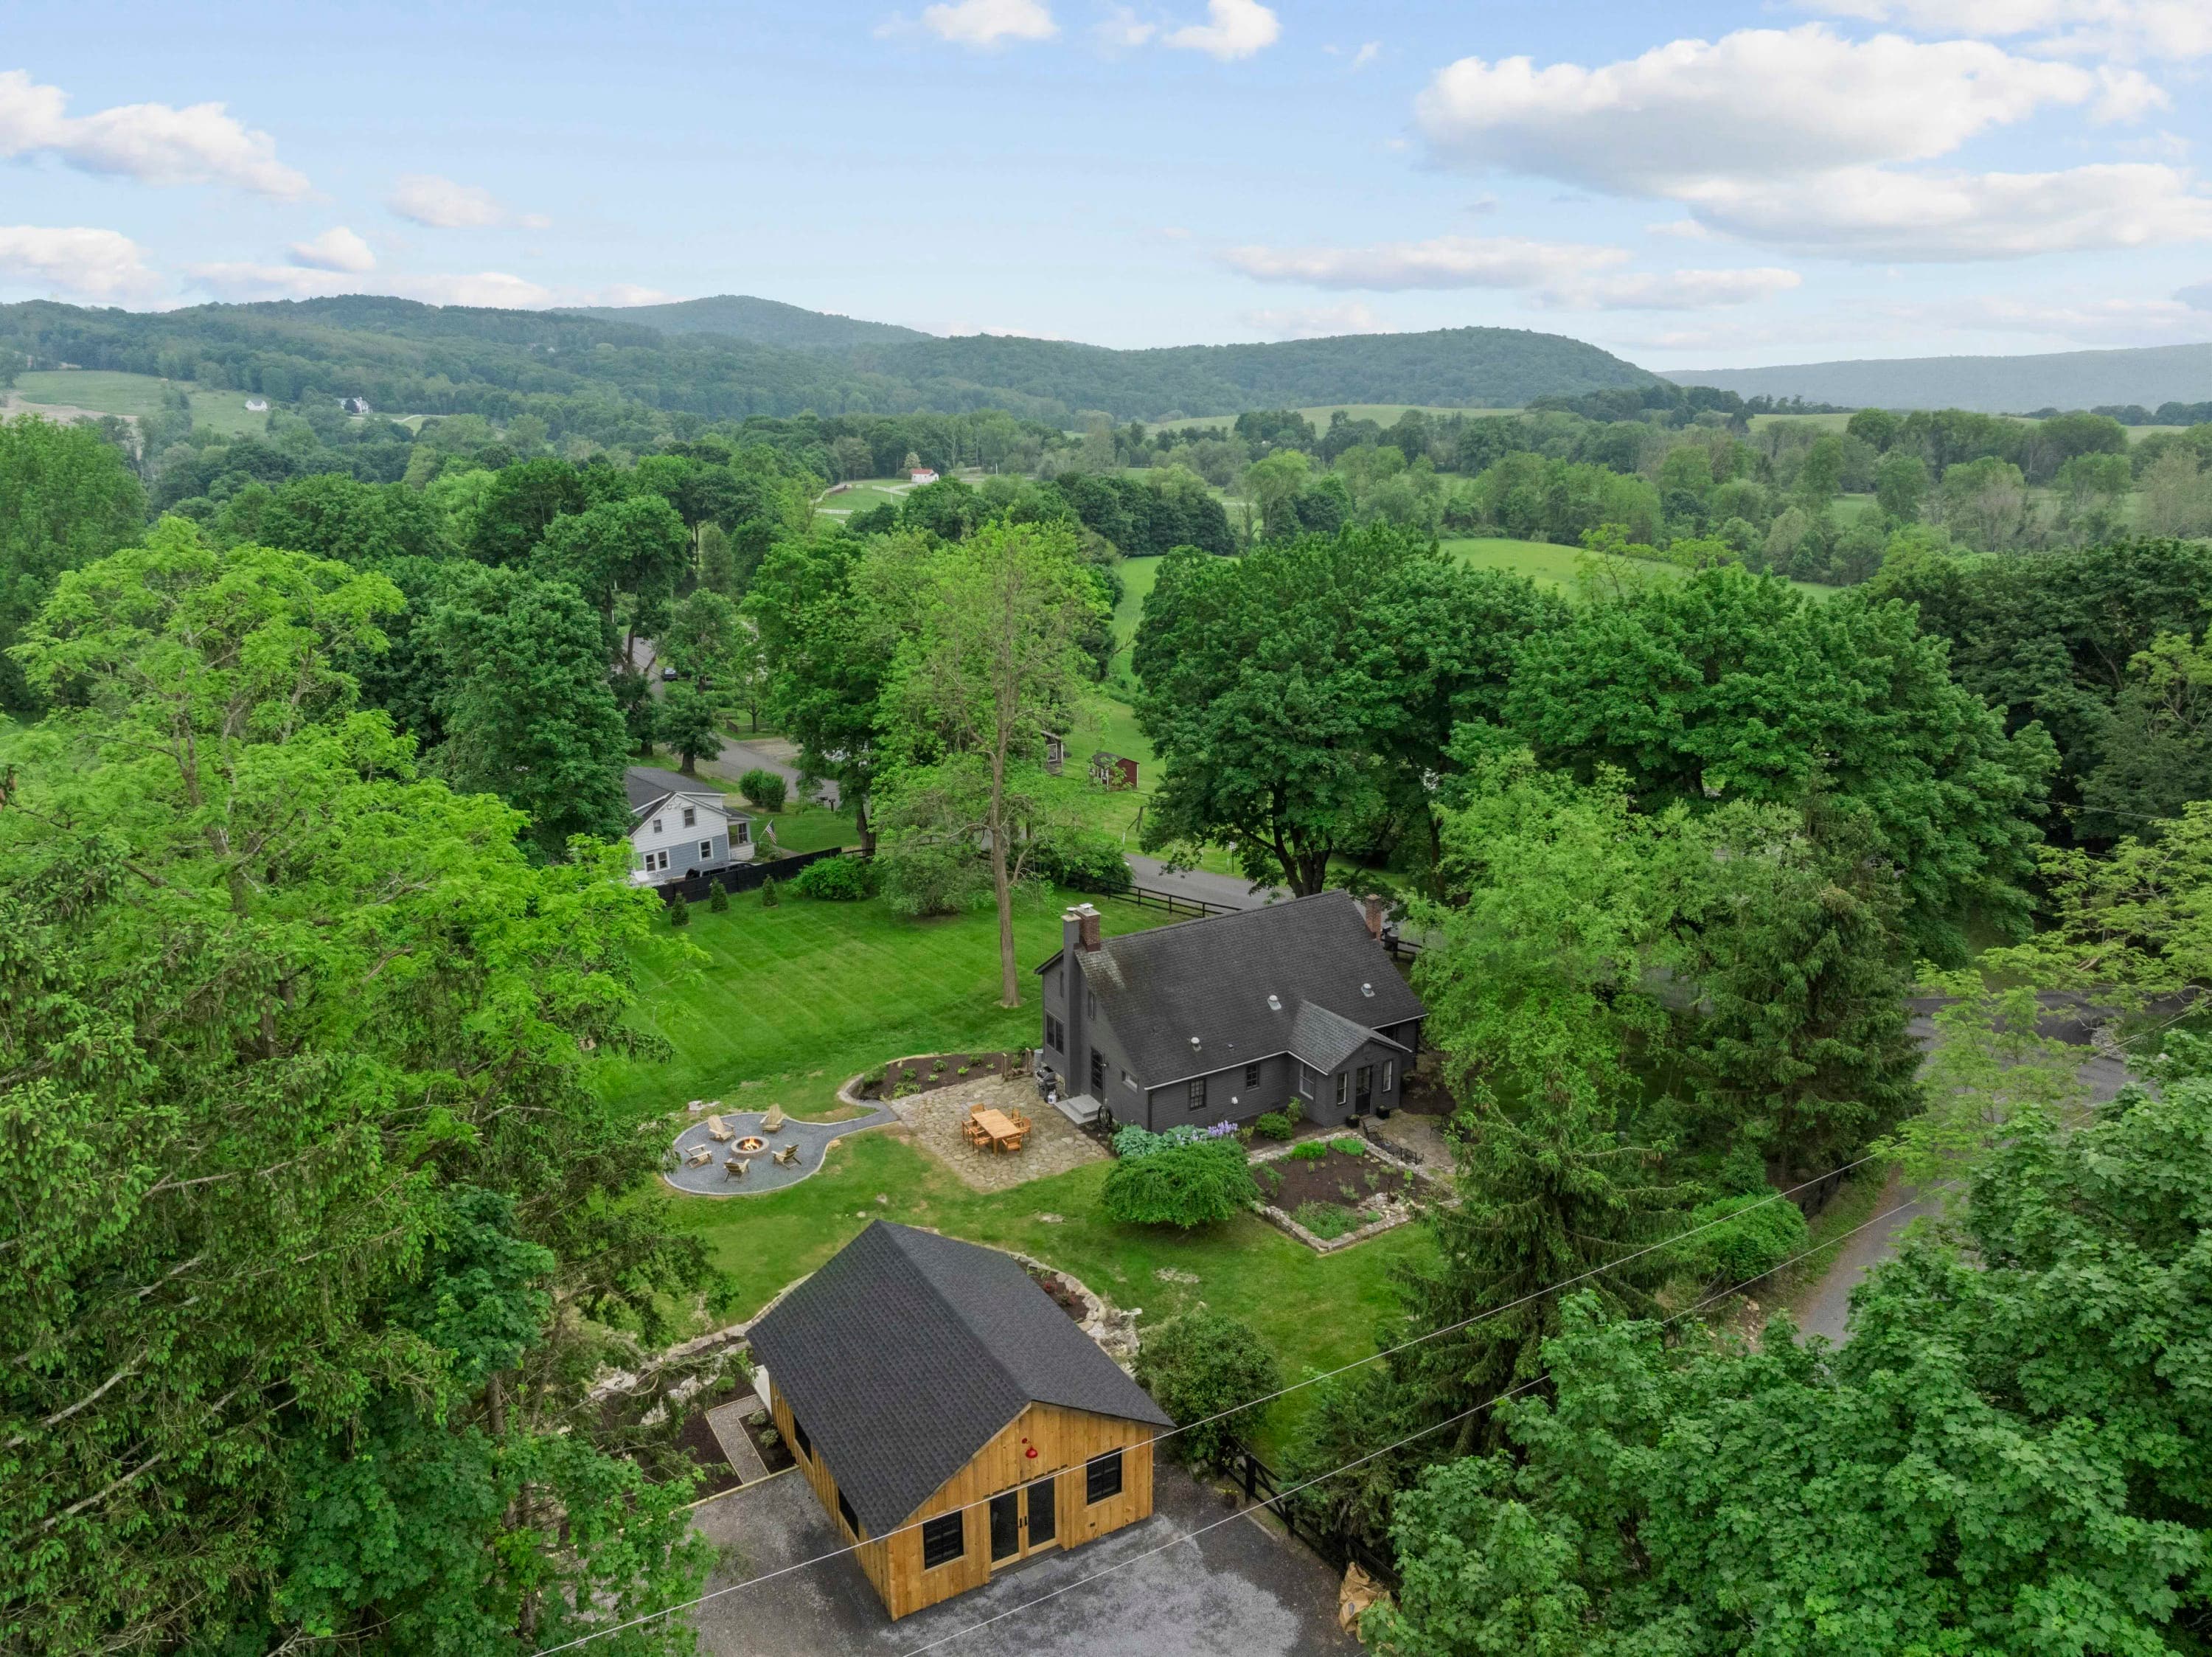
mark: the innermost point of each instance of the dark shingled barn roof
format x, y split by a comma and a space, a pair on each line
909, 1352
1212, 978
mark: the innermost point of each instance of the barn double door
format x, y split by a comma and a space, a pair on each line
1023, 1520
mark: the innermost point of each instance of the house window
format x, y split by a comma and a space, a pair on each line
1102, 1476
852, 1520
1390, 1074
655, 862
1055, 1034
943, 1539
1251, 1076
1198, 1093
690, 817
706, 849
1089, 1004
656, 825
741, 834
798, 1437
1343, 1088
1129, 1081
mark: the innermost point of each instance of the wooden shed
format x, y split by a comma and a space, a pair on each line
1113, 771
952, 1418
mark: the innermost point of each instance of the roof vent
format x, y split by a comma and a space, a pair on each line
1368, 990
1274, 1003
1193, 1043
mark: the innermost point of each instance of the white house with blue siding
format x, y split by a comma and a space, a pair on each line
680, 828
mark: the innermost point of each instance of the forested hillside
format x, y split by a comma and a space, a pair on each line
757, 321
425, 359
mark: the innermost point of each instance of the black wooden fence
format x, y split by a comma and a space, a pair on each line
1263, 1485
696, 887
1177, 902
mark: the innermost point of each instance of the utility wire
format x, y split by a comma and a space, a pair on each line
1310, 1380
1192, 1536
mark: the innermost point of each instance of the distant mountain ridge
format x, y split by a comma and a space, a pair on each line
409, 357
756, 321
2147, 375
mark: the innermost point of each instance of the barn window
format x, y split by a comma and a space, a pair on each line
1102, 1476
798, 1437
943, 1539
1251, 1076
1198, 1093
852, 1520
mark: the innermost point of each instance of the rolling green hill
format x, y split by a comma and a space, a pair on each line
756, 321
2146, 375
405, 357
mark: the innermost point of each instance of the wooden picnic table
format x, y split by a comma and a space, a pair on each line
1003, 1134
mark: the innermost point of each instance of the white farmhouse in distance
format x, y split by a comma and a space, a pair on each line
678, 828
256, 405
923, 475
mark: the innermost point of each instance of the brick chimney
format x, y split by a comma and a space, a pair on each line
1374, 909
1086, 924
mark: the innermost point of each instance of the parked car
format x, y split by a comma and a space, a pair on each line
668, 675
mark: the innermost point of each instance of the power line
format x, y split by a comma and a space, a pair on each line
1192, 1536
1310, 1380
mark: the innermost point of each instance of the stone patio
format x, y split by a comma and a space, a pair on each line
1055, 1144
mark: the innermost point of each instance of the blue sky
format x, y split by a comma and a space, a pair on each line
1688, 185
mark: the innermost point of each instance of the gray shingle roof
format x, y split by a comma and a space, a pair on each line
909, 1352
1324, 1040
647, 787
1212, 978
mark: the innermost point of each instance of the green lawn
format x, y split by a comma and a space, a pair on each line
862, 496
1551, 565
106, 390
797, 998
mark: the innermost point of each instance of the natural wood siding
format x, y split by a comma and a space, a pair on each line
1065, 1441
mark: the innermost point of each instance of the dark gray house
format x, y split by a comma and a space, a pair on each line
1220, 1019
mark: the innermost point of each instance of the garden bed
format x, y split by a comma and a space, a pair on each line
1066, 1295
697, 1444
1339, 1197
929, 1071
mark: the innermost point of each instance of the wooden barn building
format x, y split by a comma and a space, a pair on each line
952, 1419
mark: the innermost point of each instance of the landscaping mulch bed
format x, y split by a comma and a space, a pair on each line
1353, 1184
929, 1071
696, 1443
774, 1454
1063, 1292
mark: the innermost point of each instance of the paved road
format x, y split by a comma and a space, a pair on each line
1224, 889
1826, 1308
766, 753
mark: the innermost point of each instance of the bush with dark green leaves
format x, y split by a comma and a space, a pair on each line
718, 898
768, 898
763, 787
1204, 1364
836, 879
1737, 1239
1085, 860
679, 913
1185, 1185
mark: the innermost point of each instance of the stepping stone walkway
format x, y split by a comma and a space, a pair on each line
766, 1174
727, 1423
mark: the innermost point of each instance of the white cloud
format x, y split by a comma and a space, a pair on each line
1233, 28
989, 22
496, 288
1684, 229
1556, 275
1122, 30
1366, 54
629, 293
440, 204
1806, 140
2090, 321
244, 280
1319, 322
336, 249
2177, 29
1879, 213
2197, 296
1767, 103
154, 143
102, 266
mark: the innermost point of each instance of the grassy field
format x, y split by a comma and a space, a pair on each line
1555, 566
791, 1000
104, 391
